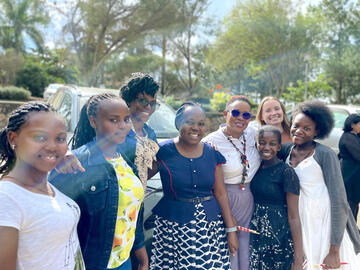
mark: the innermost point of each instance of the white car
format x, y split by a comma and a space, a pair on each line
50, 90
340, 112
68, 101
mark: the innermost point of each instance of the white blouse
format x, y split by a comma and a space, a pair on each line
233, 167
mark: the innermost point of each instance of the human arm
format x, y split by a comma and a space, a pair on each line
351, 143
221, 196
154, 170
139, 243
142, 258
330, 166
295, 227
9, 238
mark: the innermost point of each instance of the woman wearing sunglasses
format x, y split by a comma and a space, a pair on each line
236, 142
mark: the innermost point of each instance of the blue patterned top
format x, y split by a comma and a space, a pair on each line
187, 178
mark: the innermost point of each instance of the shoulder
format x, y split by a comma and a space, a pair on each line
323, 150
214, 136
250, 133
82, 150
166, 147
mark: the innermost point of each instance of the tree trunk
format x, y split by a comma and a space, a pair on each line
163, 65
339, 92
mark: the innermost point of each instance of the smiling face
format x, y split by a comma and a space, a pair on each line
236, 125
268, 145
40, 142
192, 126
303, 129
112, 121
139, 110
272, 113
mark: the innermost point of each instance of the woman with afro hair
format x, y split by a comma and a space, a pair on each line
329, 232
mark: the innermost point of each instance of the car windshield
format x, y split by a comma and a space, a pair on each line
162, 120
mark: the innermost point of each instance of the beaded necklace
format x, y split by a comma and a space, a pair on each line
244, 160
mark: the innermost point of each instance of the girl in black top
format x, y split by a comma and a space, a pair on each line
275, 188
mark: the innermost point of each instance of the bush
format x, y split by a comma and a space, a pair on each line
174, 103
14, 93
218, 101
32, 77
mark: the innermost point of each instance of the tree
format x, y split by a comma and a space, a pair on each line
340, 21
10, 63
100, 28
20, 20
267, 40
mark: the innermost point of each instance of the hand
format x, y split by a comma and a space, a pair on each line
332, 261
69, 164
233, 242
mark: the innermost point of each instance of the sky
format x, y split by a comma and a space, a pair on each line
218, 8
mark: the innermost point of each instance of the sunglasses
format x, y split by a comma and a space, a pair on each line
144, 102
237, 113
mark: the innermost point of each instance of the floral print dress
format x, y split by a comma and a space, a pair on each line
131, 194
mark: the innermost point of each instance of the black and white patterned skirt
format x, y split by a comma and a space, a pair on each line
198, 244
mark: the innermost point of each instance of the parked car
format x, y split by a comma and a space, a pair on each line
68, 101
340, 113
50, 90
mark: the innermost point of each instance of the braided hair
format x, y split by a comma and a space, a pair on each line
17, 118
84, 132
180, 112
138, 83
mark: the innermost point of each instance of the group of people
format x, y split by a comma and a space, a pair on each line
242, 197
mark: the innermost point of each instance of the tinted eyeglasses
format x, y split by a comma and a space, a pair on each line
144, 102
237, 113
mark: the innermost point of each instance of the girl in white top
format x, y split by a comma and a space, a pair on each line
37, 222
236, 142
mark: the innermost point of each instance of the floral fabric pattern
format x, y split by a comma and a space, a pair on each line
131, 194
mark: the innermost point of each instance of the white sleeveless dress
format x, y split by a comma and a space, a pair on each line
315, 216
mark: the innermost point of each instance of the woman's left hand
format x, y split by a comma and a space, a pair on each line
233, 242
332, 260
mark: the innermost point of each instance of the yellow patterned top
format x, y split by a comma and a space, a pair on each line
131, 195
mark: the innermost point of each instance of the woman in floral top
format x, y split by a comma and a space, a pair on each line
108, 192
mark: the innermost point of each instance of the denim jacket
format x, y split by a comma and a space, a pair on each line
96, 192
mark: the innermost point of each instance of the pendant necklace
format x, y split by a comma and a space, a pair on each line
243, 158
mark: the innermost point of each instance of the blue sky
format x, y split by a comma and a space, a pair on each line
221, 7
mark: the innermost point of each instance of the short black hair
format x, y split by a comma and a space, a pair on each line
180, 112
351, 119
136, 84
238, 98
268, 128
319, 113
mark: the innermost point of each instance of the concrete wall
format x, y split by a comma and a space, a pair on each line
214, 120
6, 107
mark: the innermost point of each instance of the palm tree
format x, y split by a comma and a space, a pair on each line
20, 20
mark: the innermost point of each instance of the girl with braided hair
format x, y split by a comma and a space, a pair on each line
107, 191
37, 222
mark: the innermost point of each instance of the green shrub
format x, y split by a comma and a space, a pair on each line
14, 93
32, 77
218, 101
174, 103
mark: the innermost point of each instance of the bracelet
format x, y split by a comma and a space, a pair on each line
232, 229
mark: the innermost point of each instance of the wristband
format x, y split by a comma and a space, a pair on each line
232, 229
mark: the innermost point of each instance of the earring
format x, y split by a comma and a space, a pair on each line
13, 146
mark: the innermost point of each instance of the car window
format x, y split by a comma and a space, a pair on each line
163, 122
65, 110
339, 117
55, 100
